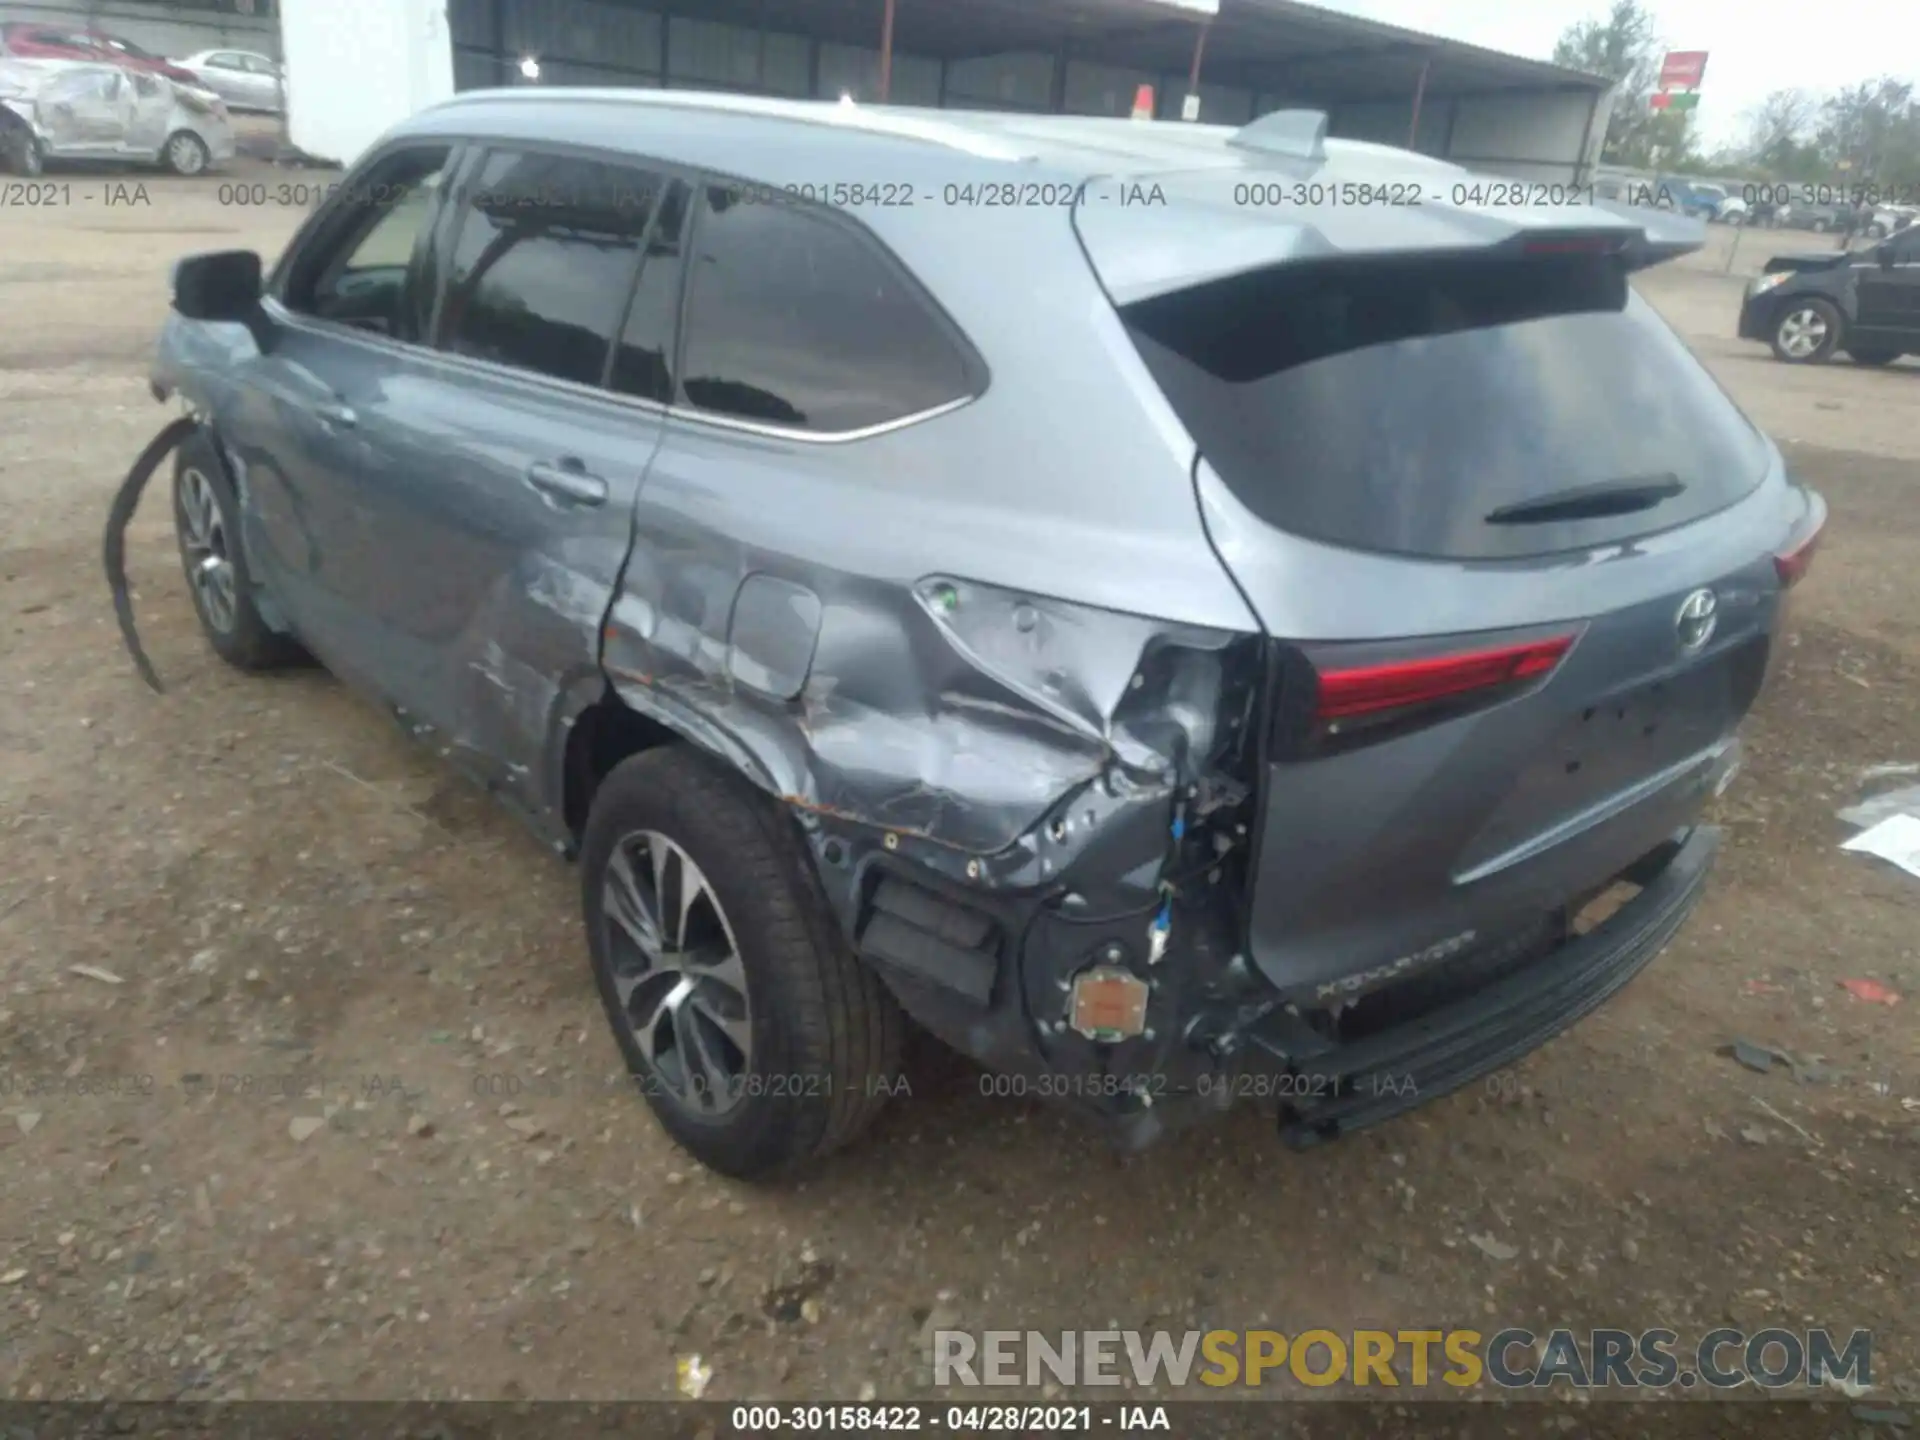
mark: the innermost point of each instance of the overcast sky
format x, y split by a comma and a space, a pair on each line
1752, 48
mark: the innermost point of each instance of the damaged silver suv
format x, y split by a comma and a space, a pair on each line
1188, 616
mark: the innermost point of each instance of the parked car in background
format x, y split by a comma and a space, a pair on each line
53, 42
1890, 220
245, 80
1819, 218
832, 580
19, 146
79, 110
1863, 302
1695, 199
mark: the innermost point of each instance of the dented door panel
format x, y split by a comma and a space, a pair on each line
505, 583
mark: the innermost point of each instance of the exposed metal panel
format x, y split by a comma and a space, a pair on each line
853, 70
1023, 79
589, 32
1541, 136
1103, 89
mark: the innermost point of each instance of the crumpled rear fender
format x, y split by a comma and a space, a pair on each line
989, 733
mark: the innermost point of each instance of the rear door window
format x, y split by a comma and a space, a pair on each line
1467, 409
547, 251
797, 318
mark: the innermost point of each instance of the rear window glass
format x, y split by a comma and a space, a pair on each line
1459, 409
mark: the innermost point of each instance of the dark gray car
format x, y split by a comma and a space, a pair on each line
1188, 616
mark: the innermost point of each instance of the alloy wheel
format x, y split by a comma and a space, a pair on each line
1802, 333
204, 537
187, 155
677, 971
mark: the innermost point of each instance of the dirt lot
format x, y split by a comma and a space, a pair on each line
263, 879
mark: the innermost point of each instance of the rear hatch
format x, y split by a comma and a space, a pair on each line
1494, 517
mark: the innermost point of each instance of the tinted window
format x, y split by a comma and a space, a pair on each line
1399, 407
795, 319
361, 269
642, 364
147, 85
545, 259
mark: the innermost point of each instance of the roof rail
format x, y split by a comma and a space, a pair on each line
1298, 134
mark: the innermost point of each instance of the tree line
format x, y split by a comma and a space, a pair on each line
1868, 132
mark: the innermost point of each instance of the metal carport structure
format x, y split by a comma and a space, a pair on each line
1485, 109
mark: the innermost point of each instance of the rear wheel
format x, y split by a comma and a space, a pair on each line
757, 1037
186, 154
1807, 332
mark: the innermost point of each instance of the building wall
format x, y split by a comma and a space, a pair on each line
172, 30
613, 42
355, 68
1541, 136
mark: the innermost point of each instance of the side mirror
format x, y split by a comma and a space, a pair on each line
1884, 254
224, 285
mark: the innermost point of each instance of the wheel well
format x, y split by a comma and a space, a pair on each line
605, 733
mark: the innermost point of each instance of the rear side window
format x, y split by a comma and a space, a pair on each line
547, 252
796, 318
1465, 409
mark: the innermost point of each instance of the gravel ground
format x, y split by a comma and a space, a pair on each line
261, 879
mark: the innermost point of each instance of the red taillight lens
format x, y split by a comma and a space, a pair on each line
1373, 689
1792, 564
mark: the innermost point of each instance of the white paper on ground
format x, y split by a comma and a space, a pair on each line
1896, 838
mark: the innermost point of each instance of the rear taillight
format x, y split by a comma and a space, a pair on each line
1792, 564
1380, 690
1320, 706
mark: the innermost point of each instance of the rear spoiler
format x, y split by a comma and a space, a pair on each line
1194, 231
1664, 234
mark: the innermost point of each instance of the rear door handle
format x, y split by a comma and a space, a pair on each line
569, 481
339, 416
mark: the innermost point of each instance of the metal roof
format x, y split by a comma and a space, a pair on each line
1305, 51
1073, 144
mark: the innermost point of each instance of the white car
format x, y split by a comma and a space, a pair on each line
1889, 218
244, 79
78, 110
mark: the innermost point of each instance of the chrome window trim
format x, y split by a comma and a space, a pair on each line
315, 325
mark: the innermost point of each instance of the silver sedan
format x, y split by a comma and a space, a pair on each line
242, 78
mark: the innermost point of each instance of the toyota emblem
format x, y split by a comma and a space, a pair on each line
1699, 613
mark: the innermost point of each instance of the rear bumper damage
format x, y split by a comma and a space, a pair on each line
1215, 1033
1339, 1087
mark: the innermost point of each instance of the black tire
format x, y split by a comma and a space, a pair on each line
20, 152
1796, 319
235, 630
1873, 357
185, 153
825, 1034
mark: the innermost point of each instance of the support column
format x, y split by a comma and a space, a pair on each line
1193, 72
1419, 95
886, 53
